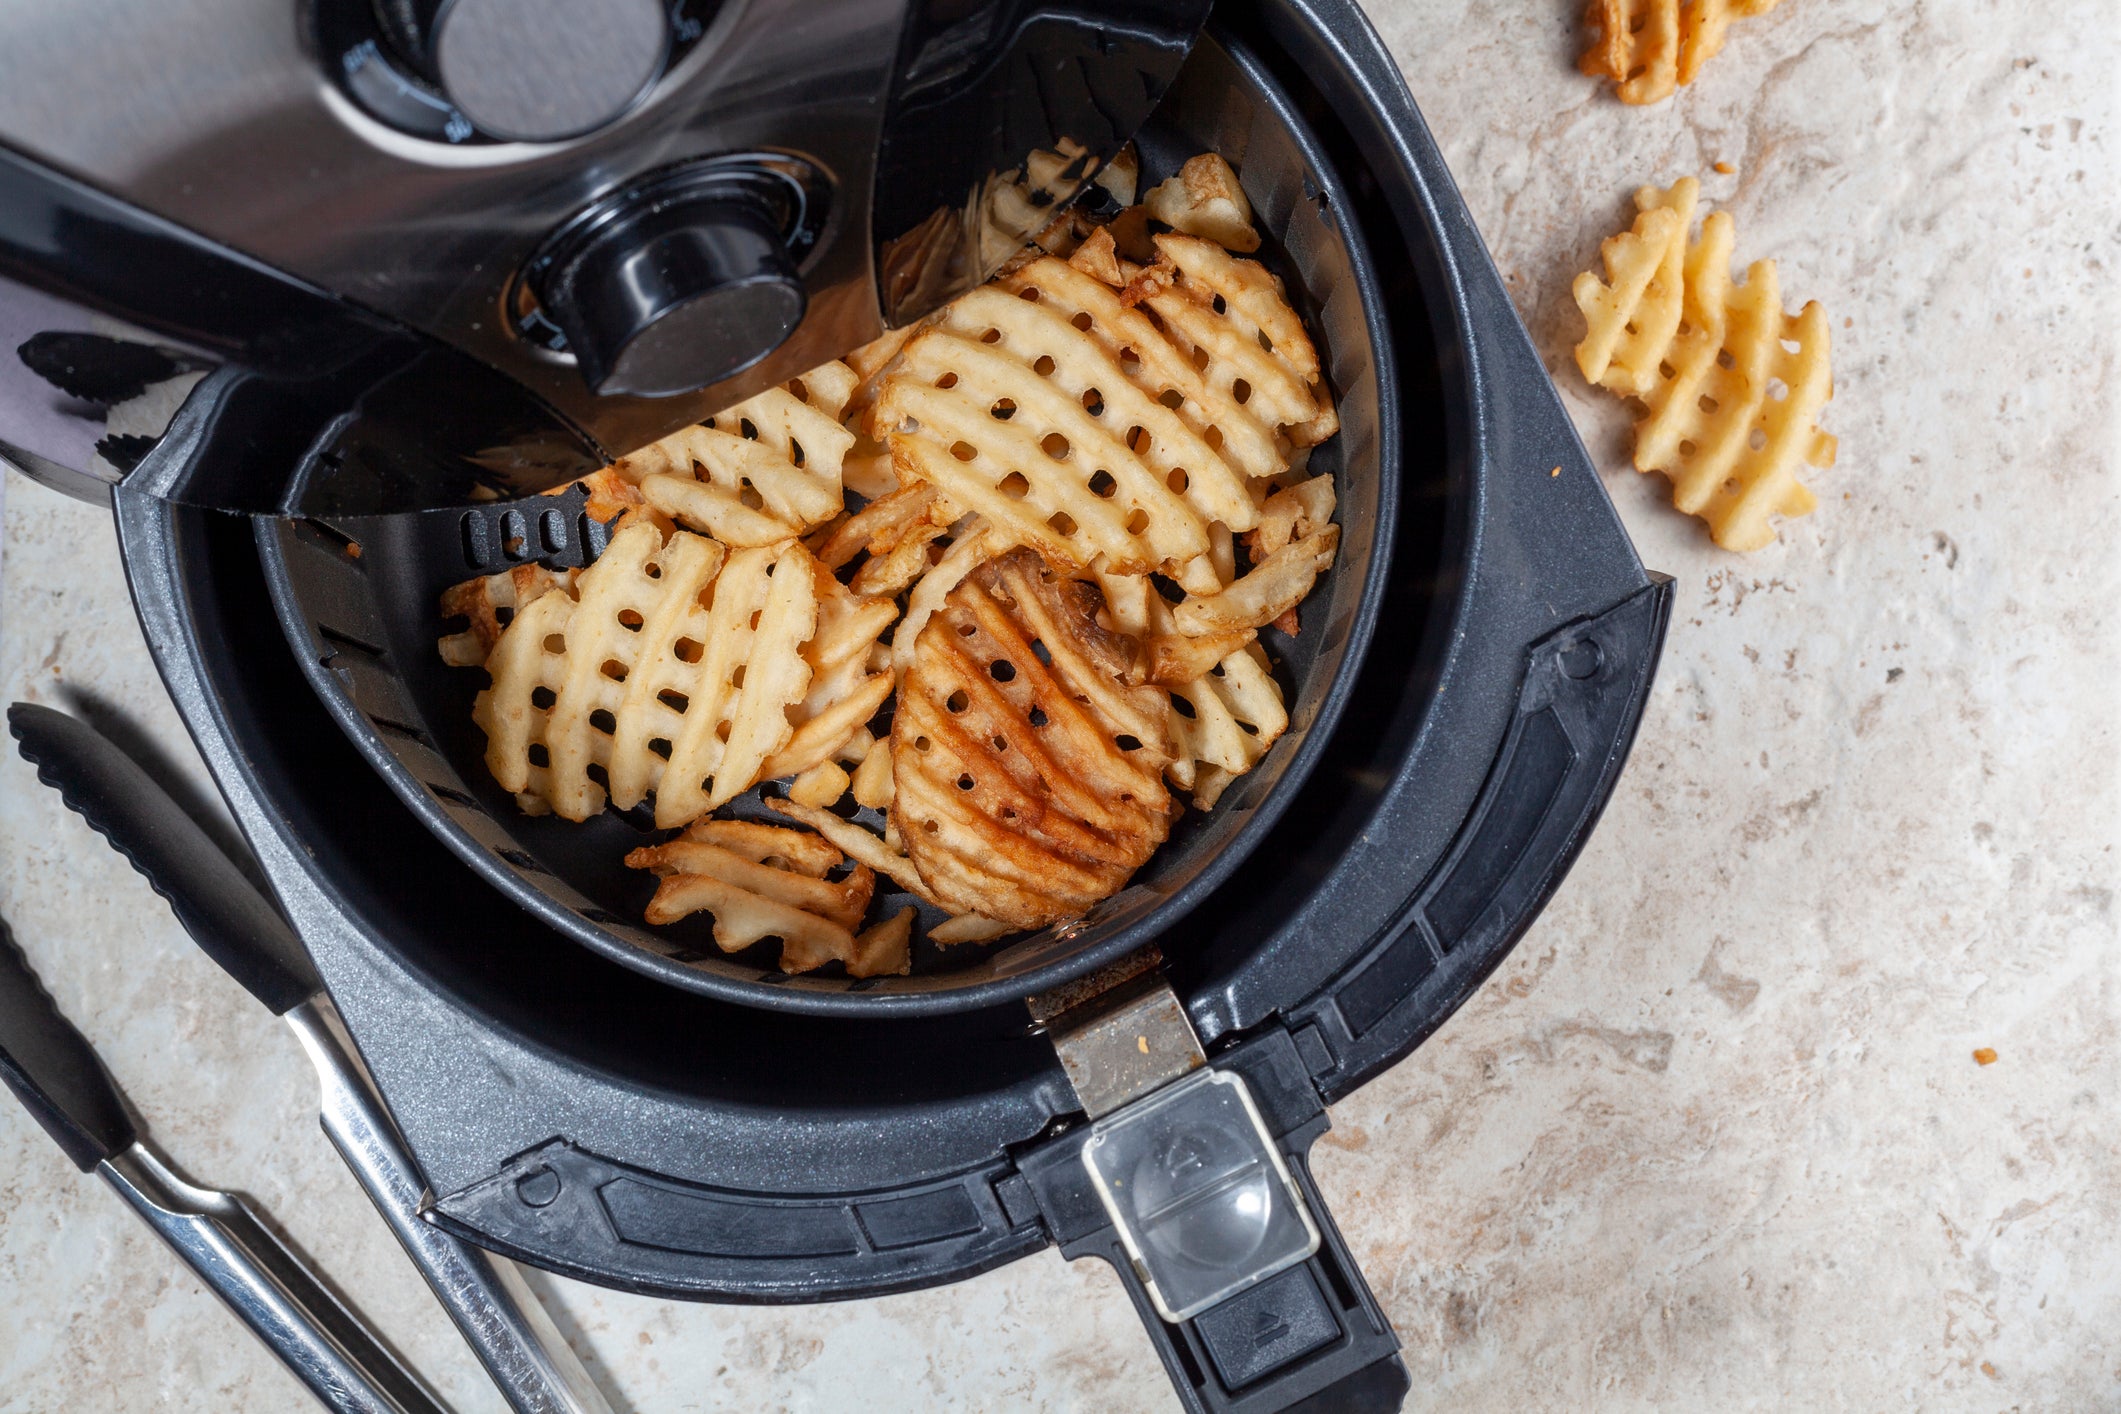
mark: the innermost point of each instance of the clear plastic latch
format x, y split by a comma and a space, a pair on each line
1199, 1191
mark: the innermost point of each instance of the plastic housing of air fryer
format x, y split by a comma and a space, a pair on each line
593, 1121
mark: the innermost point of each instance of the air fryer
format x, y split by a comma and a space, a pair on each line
578, 1101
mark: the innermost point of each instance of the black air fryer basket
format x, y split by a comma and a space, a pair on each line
359, 595
1466, 687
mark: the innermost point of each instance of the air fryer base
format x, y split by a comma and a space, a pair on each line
710, 1150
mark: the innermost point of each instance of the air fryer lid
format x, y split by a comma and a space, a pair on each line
364, 626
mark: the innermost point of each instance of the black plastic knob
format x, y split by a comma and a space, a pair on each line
533, 70
672, 288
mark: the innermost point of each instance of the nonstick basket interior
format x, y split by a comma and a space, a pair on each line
358, 598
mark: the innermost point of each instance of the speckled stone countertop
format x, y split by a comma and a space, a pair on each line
1714, 1136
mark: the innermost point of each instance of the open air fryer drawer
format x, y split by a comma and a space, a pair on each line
595, 1121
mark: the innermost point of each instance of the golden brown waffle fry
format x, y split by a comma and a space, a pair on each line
1736, 393
764, 881
1265, 592
967, 928
884, 949
767, 469
850, 676
1205, 200
895, 532
1647, 47
1098, 258
489, 604
632, 675
1232, 714
1028, 785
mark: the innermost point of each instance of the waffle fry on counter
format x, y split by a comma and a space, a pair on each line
1731, 385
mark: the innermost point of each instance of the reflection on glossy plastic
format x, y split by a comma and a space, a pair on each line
1199, 1192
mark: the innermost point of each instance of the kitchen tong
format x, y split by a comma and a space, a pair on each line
56, 1074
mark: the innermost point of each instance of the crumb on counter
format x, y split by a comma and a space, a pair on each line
1985, 1055
1724, 169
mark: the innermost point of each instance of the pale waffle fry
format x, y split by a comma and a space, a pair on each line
895, 532
1648, 47
1634, 314
636, 678
765, 881
1732, 410
973, 545
1232, 714
767, 469
1084, 428
1255, 339
1028, 786
861, 845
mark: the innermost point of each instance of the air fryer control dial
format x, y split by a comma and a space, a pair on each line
678, 283
533, 70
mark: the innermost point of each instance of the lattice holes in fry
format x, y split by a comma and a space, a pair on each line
1734, 394
636, 678
1028, 777
1079, 425
766, 469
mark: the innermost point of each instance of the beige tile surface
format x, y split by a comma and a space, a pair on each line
1714, 1137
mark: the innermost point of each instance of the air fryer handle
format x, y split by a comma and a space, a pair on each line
1310, 1338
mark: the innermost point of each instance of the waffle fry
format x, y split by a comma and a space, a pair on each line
633, 662
489, 604
850, 676
1028, 786
1634, 315
1265, 592
1080, 427
967, 928
1295, 512
1121, 175
765, 881
1648, 47
974, 545
872, 779
1114, 403
765, 470
895, 532
859, 844
1232, 714
1732, 409
1205, 200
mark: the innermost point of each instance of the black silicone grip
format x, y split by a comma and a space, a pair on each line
52, 1068
226, 915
